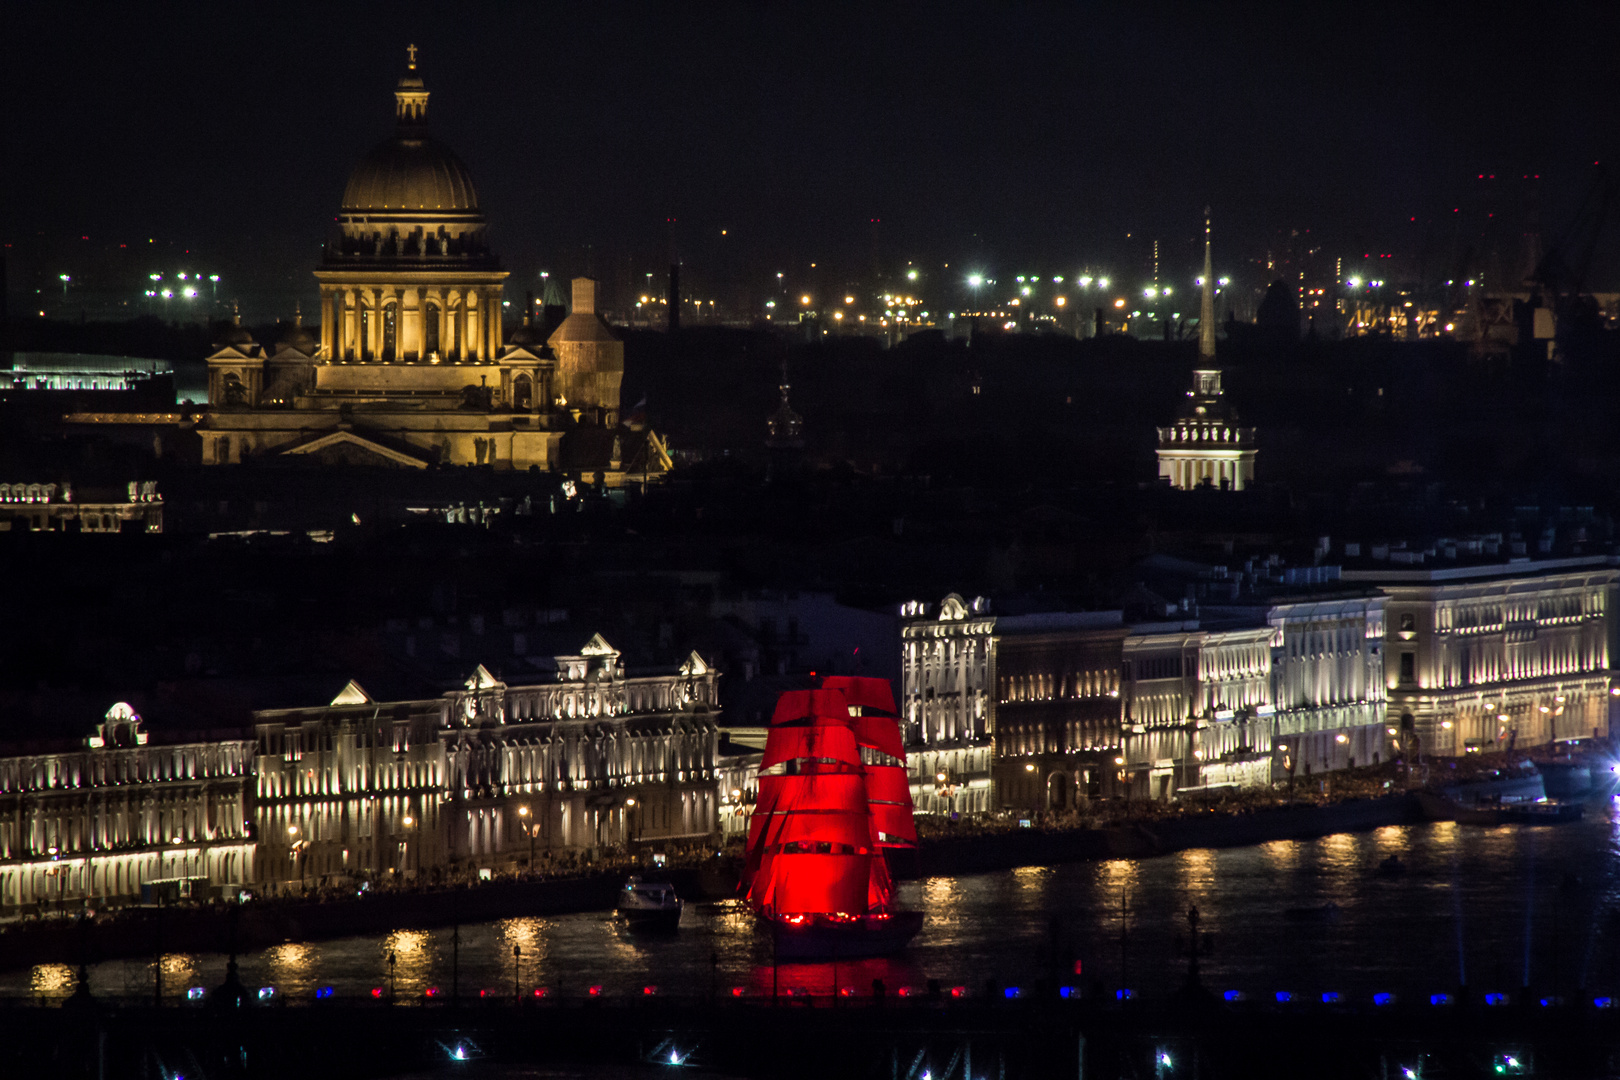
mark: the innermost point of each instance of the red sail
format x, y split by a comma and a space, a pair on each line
812, 884
888, 792
881, 733
820, 742
818, 824
857, 690
879, 886
808, 705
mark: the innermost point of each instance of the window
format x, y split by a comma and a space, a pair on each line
1408, 623
1408, 667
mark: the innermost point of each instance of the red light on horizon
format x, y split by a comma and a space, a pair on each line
596, 991
736, 991
376, 991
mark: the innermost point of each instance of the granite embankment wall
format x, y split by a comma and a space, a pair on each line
1035, 847
135, 932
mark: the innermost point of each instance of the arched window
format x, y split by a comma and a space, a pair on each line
522, 392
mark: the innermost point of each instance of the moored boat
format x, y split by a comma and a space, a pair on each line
833, 795
1538, 812
649, 905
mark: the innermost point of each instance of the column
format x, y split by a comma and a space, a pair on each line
374, 336
461, 326
345, 331
413, 336
497, 331
340, 317
326, 320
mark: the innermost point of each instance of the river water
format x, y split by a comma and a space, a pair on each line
1490, 908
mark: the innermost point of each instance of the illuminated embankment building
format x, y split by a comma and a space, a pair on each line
1497, 655
124, 818
1077, 705
482, 779
487, 775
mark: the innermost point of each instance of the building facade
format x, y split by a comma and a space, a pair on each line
490, 776
947, 703
98, 823
1490, 657
485, 778
1057, 708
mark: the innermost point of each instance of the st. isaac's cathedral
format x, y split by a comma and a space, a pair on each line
412, 367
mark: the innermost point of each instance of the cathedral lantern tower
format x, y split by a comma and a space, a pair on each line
408, 275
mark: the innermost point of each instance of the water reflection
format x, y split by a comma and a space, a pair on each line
291, 968
52, 980
1498, 905
414, 954
1281, 854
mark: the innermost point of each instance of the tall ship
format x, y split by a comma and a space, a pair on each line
833, 796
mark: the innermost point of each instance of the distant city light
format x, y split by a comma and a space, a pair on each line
1150, 292
804, 299
189, 292
1102, 283
1057, 281
1119, 303
849, 299
975, 280
1085, 282
1223, 282
1355, 283
911, 275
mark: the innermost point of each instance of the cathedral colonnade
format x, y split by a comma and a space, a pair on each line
370, 324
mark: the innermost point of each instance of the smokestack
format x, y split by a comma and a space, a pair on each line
584, 296
674, 297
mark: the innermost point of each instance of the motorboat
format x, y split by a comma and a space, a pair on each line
649, 905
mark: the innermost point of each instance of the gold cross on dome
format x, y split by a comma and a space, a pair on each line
410, 50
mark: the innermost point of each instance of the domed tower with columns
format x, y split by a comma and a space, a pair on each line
410, 367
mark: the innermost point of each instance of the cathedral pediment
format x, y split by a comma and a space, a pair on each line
348, 448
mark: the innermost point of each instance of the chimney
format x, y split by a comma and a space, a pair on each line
584, 296
674, 297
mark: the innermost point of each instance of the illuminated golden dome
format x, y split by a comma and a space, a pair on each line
410, 171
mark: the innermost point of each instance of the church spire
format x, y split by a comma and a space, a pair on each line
410, 96
1206, 309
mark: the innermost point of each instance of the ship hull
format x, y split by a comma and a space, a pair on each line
662, 920
825, 939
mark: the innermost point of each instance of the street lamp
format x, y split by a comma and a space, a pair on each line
65, 280
528, 827
297, 848
630, 818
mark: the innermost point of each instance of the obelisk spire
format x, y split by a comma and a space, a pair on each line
1206, 309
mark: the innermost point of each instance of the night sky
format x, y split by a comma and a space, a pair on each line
989, 136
